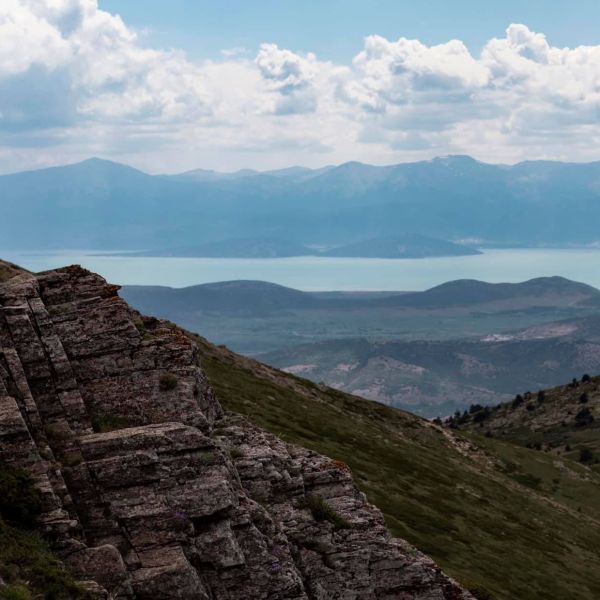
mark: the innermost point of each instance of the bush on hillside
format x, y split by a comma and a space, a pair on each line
584, 417
517, 401
20, 501
167, 382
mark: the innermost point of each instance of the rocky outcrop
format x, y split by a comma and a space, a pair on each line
150, 491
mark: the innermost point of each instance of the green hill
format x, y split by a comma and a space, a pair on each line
563, 422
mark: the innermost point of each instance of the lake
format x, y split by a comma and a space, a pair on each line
321, 274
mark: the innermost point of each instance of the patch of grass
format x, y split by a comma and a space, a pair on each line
25, 560
236, 452
20, 501
102, 422
27, 566
167, 382
321, 510
15, 592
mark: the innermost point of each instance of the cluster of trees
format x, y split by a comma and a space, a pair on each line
478, 413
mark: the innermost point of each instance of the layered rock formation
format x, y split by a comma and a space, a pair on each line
150, 491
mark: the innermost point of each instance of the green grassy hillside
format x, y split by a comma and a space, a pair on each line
563, 421
509, 522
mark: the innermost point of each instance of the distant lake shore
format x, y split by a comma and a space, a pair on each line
314, 273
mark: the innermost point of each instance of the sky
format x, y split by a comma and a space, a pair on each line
184, 84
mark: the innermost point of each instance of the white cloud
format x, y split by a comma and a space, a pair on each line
76, 81
290, 78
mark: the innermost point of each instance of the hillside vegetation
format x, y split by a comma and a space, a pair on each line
8, 270
563, 421
492, 514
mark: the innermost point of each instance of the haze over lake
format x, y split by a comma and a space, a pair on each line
323, 274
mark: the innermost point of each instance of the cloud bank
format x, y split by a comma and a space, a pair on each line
77, 81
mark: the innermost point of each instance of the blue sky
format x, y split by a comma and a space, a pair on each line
172, 85
333, 29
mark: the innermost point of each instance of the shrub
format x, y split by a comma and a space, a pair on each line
20, 501
236, 452
27, 558
480, 593
541, 397
517, 401
586, 378
586, 456
583, 399
102, 422
584, 417
167, 382
530, 406
323, 511
14, 592
481, 415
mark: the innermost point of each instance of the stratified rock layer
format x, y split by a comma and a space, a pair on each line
150, 491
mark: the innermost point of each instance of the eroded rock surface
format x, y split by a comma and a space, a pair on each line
150, 491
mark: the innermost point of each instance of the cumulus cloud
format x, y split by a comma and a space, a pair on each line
290, 78
76, 80
95, 61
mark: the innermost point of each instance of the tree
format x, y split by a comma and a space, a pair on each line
584, 417
517, 401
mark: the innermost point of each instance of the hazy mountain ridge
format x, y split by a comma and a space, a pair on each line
450, 198
463, 292
430, 372
404, 246
437, 377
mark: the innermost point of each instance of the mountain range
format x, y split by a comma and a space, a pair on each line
430, 352
396, 246
99, 204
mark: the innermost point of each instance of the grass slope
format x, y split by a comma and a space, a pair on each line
563, 421
487, 511
8, 271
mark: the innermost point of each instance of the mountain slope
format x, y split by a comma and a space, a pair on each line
564, 421
437, 377
476, 507
225, 296
146, 489
8, 270
470, 505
